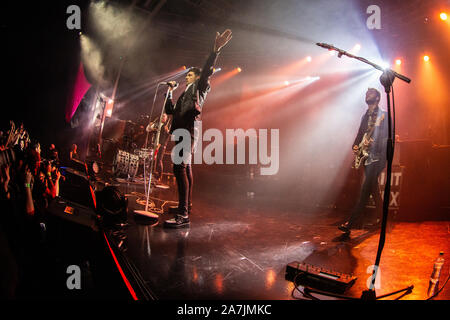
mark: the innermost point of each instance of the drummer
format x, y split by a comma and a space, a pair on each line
139, 137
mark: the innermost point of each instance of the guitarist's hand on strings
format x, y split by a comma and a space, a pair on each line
367, 143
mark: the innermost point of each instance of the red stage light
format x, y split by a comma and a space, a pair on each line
398, 62
443, 16
426, 58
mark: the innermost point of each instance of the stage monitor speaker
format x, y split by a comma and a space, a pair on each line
77, 165
76, 187
73, 212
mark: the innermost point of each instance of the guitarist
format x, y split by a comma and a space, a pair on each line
371, 137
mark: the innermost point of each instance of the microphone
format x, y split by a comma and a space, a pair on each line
326, 46
168, 83
331, 47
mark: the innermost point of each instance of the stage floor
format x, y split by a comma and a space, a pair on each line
239, 250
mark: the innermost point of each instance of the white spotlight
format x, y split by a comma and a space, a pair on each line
385, 65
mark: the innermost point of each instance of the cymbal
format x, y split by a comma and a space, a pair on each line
161, 186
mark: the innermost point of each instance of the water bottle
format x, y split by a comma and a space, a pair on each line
434, 279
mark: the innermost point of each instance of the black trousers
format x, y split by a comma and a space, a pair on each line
369, 187
185, 182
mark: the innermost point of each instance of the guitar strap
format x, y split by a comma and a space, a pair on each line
372, 119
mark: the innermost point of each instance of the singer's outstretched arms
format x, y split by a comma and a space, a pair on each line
202, 86
222, 40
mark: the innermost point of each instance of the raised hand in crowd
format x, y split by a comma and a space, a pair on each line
4, 180
29, 205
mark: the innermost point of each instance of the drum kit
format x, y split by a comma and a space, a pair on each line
129, 160
154, 128
125, 163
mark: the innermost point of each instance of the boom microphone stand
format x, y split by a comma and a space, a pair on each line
386, 79
155, 145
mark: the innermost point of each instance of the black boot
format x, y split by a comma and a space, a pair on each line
345, 227
176, 210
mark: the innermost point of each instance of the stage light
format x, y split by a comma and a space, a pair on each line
398, 62
109, 112
356, 48
426, 58
443, 16
385, 65
183, 67
286, 83
239, 69
308, 58
112, 206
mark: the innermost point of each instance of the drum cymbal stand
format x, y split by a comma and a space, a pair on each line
147, 188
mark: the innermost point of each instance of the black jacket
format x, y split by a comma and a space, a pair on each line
188, 107
377, 149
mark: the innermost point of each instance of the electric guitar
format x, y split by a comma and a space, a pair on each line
363, 148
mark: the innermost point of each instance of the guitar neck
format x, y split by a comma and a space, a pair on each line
372, 129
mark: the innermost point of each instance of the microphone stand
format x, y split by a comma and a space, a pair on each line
387, 78
155, 145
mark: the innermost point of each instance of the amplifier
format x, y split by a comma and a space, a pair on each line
76, 187
319, 278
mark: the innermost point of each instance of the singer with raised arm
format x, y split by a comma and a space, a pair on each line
369, 148
186, 111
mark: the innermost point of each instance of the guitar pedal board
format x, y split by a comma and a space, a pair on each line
318, 277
